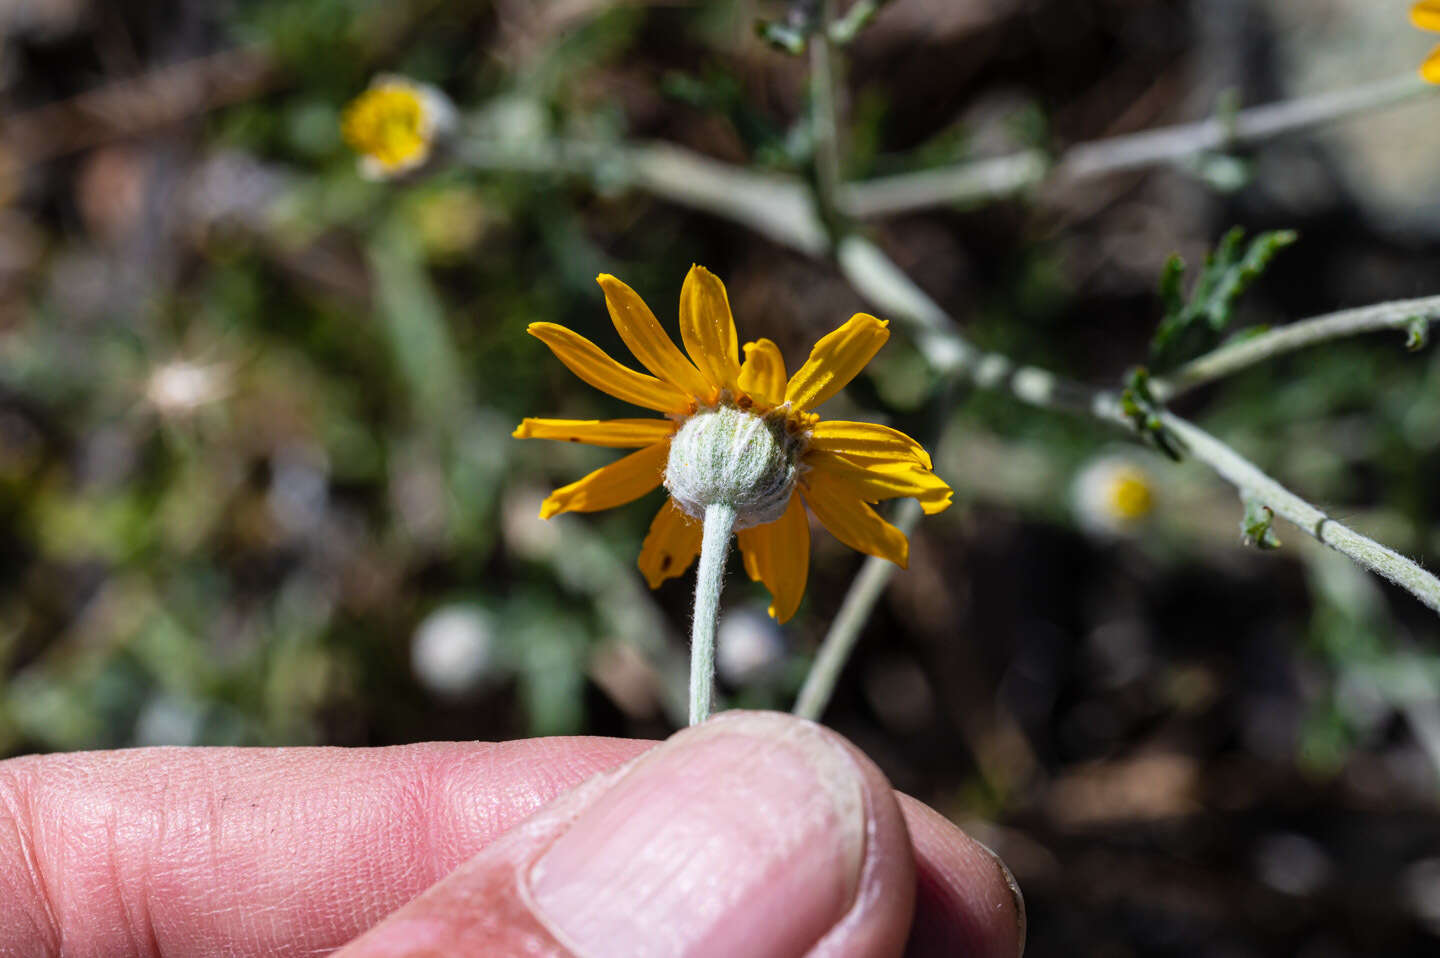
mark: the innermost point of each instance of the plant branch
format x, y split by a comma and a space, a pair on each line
1003, 176
878, 278
1246, 477
845, 630
781, 207
775, 206
1307, 332
825, 122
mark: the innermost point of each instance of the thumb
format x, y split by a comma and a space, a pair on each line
754, 834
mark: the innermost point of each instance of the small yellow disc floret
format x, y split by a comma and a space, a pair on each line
1129, 495
388, 123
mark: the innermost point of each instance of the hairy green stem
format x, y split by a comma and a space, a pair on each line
1306, 332
1250, 481
844, 632
709, 579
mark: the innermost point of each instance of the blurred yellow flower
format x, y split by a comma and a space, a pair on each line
395, 125
837, 468
1130, 496
1426, 16
1113, 495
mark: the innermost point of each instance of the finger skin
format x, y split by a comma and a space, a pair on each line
200, 851
192, 851
489, 906
967, 902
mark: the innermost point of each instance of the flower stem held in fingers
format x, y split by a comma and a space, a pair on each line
709, 579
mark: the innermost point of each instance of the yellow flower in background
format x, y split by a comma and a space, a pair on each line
1113, 495
837, 469
395, 125
1426, 16
1130, 496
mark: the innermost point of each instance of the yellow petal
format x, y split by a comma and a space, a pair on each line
1426, 15
875, 481
852, 521
867, 441
835, 360
615, 433
646, 338
614, 485
670, 546
1430, 69
778, 554
590, 363
762, 375
708, 329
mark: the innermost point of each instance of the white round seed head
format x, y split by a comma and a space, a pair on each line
727, 456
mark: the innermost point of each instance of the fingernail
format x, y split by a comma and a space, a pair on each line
742, 836
1006, 875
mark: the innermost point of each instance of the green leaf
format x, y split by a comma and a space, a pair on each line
1192, 323
1248, 333
1220, 171
414, 321
1255, 526
792, 34
1143, 409
854, 20
1232, 279
1417, 333
1227, 110
1172, 295
785, 37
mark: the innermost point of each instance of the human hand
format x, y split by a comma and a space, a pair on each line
755, 834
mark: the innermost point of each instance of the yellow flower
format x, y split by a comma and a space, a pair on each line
395, 125
1130, 496
1113, 495
1426, 16
839, 468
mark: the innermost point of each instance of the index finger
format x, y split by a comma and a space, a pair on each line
254, 851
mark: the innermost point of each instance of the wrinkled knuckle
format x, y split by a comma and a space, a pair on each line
27, 919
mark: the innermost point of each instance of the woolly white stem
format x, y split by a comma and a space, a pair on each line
709, 579
1250, 481
1307, 332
